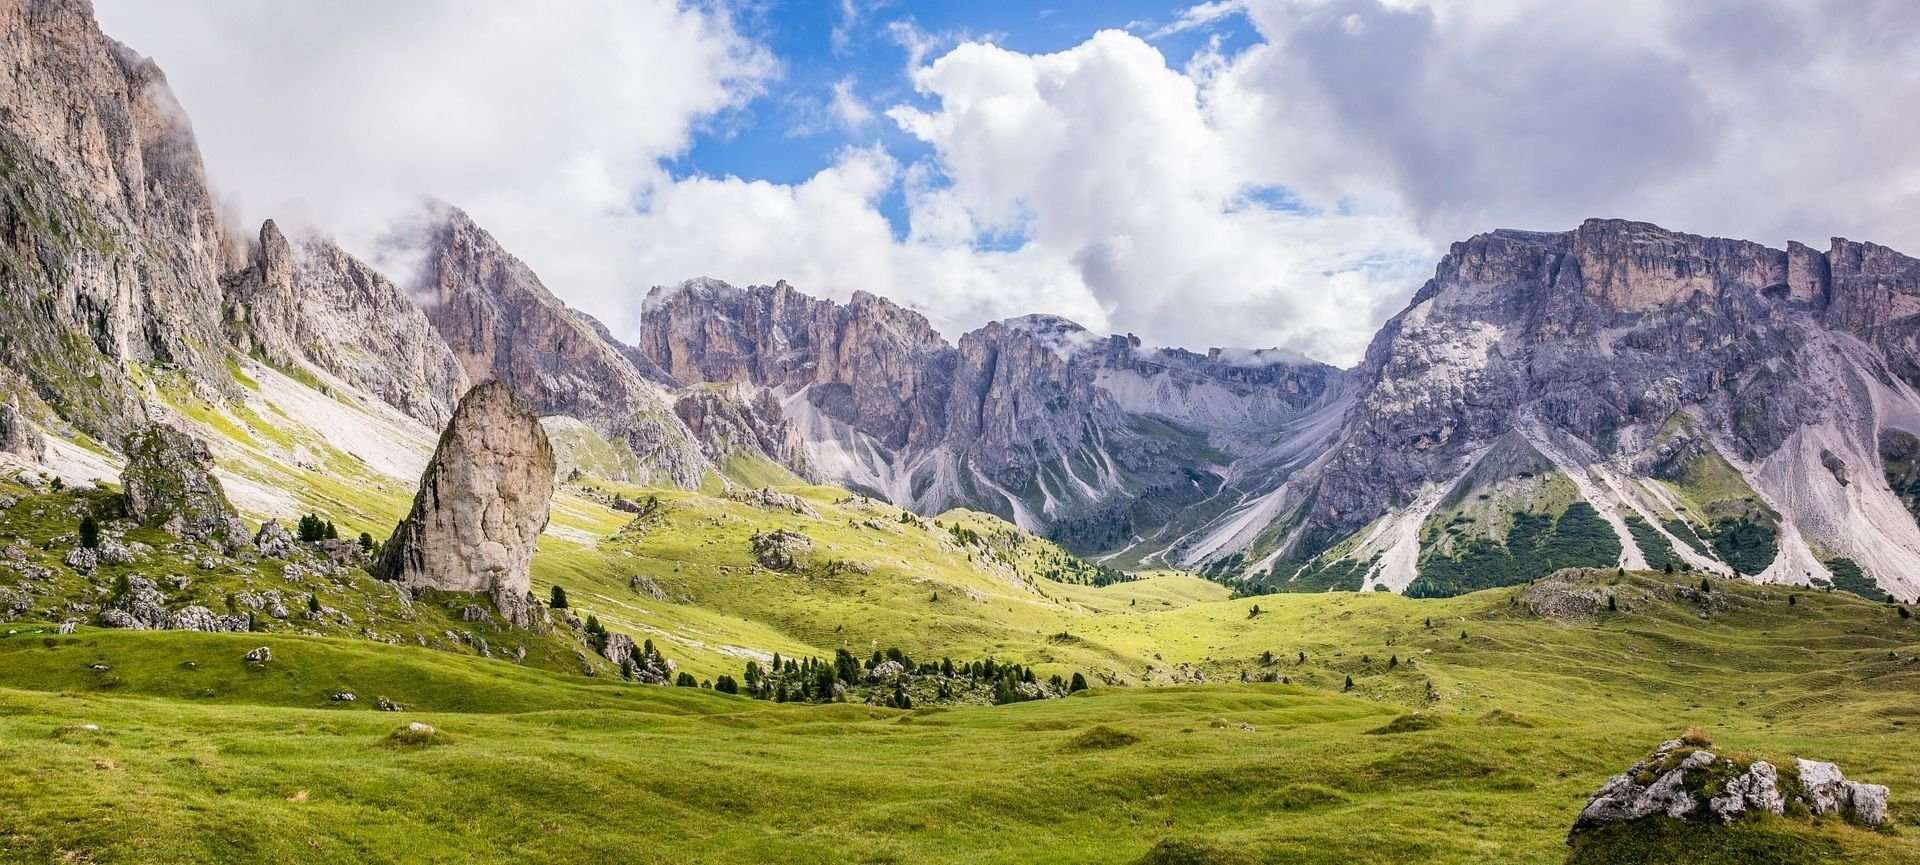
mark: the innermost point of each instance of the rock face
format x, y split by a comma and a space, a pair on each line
482, 504
1688, 782
1627, 367
17, 435
314, 303
114, 248
169, 482
1033, 418
503, 324
732, 422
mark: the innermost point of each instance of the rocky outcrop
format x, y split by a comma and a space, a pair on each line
503, 324
482, 504
781, 549
112, 248
1683, 780
17, 435
733, 421
169, 482
313, 303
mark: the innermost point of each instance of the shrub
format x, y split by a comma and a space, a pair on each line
557, 599
89, 532
685, 680
1101, 737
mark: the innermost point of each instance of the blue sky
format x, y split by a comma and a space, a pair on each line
1282, 173
782, 136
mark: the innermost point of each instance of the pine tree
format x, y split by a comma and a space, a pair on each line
1613, 604
1079, 683
726, 685
89, 532
313, 603
333, 534
1705, 587
557, 599
685, 680
366, 542
1349, 685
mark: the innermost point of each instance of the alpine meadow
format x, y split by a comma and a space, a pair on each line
426, 458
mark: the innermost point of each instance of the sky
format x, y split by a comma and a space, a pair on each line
1234, 173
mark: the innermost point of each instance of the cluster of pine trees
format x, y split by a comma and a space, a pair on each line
312, 528
816, 680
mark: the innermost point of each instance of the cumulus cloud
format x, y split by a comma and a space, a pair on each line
543, 122
1289, 193
1772, 120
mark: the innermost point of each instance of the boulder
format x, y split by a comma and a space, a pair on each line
82, 560
886, 672
169, 482
274, 541
482, 504
1829, 792
780, 549
259, 657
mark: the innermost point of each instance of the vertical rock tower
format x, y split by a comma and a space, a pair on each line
482, 504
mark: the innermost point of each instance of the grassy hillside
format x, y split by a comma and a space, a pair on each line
1525, 715
1300, 727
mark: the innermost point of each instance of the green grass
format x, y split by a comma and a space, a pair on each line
218, 762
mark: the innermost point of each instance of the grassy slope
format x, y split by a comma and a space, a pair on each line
1531, 715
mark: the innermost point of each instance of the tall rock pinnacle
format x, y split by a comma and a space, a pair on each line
482, 504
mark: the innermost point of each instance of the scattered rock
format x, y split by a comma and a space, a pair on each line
274, 541
772, 499
342, 697
198, 618
69, 626
82, 560
780, 549
416, 734
886, 672
259, 657
475, 613
1684, 781
386, 705
482, 504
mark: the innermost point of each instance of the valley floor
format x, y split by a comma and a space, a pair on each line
1475, 739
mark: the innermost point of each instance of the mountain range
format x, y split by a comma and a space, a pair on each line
1614, 395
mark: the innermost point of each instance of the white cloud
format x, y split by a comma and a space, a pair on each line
1765, 119
847, 107
1199, 16
543, 122
1094, 182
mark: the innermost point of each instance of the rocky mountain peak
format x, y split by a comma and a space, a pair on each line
482, 504
502, 322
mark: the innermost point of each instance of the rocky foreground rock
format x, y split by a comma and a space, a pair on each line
482, 504
1683, 780
169, 482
